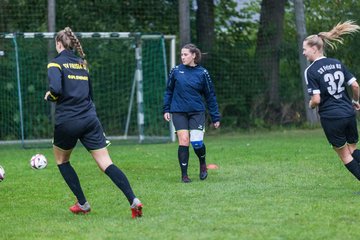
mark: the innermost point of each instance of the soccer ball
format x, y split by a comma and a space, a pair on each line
2, 173
38, 161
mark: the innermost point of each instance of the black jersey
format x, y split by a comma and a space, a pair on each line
69, 85
329, 77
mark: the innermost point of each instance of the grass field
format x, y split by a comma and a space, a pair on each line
275, 185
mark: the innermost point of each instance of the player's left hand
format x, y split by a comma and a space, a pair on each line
356, 106
217, 124
310, 105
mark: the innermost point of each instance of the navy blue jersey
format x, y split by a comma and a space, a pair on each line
69, 85
186, 88
329, 77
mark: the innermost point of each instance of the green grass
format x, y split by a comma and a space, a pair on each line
275, 185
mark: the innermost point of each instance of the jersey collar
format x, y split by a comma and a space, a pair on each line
319, 58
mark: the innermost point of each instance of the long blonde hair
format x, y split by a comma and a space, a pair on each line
70, 41
332, 37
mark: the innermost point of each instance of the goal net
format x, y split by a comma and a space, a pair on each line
128, 72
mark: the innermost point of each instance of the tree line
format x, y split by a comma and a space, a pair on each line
253, 53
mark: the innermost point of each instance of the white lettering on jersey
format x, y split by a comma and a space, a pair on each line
324, 68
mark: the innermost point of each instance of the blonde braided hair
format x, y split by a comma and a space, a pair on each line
70, 41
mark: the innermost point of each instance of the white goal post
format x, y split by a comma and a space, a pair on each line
18, 45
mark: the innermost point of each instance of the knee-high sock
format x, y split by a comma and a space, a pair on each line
72, 180
356, 155
201, 153
354, 168
183, 156
121, 181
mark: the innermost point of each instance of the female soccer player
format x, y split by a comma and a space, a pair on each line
326, 79
188, 83
76, 119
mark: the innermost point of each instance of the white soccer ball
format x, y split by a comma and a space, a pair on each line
38, 161
2, 173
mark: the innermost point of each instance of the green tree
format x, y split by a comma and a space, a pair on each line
205, 24
322, 15
269, 39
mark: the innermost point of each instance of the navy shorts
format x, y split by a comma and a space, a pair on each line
88, 130
340, 131
189, 121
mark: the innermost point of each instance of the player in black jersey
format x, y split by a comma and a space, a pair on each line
76, 119
326, 79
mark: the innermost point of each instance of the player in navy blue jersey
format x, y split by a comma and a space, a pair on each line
327, 79
76, 119
187, 85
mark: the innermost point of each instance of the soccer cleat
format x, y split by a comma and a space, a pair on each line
136, 208
203, 172
185, 179
83, 209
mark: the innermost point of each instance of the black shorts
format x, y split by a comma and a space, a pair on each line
189, 121
88, 130
340, 131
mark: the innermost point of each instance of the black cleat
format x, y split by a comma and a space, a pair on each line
203, 172
185, 179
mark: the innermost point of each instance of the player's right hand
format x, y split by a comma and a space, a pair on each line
46, 95
167, 116
50, 97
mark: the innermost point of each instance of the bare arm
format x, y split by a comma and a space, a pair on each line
314, 101
355, 95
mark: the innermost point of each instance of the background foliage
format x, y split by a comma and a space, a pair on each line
232, 63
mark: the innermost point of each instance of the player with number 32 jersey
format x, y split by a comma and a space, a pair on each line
329, 78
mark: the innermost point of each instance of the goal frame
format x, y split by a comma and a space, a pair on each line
136, 86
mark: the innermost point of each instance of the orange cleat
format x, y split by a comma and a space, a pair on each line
80, 209
136, 208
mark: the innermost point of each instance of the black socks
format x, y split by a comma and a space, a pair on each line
183, 156
121, 181
115, 174
356, 155
201, 152
72, 180
354, 168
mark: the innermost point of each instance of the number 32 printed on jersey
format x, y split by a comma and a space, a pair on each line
335, 81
